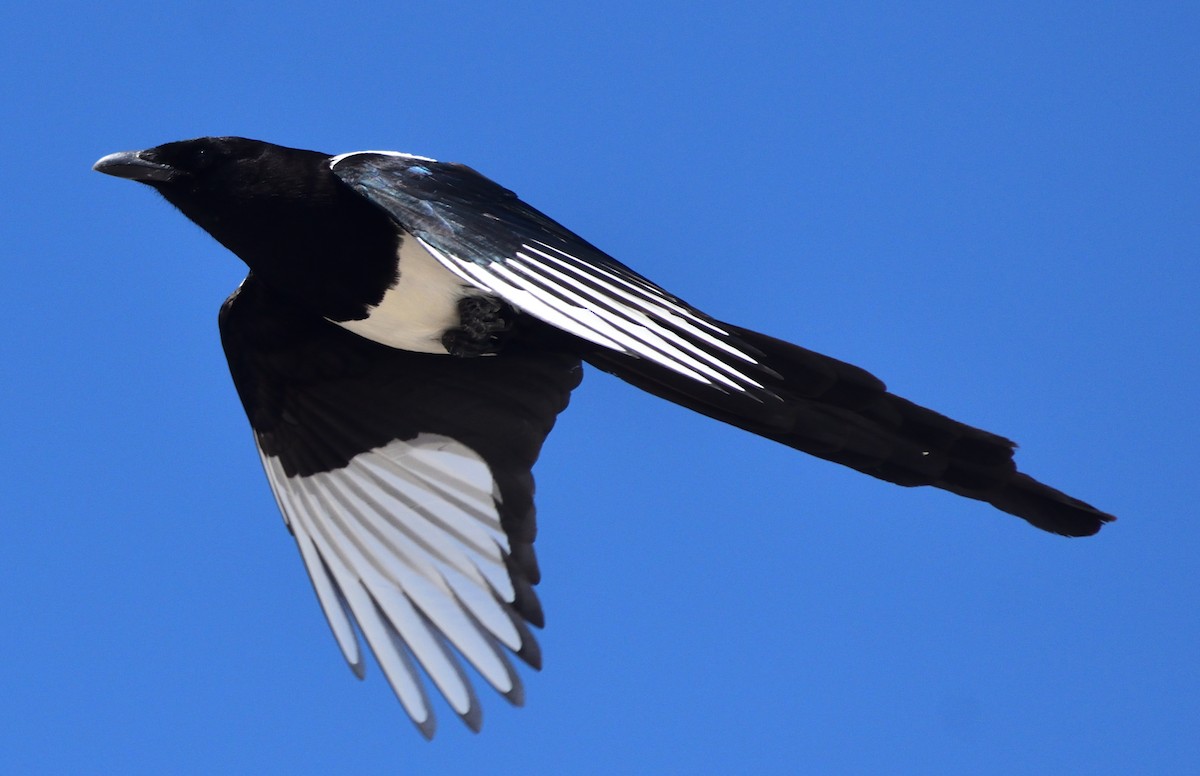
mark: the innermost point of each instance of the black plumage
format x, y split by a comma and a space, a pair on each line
405, 339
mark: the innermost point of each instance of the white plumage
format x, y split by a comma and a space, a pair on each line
407, 538
418, 309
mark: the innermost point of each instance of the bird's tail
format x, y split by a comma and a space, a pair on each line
841, 413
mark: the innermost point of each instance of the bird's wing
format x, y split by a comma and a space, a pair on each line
405, 480
488, 237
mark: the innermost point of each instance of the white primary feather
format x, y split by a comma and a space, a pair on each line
631, 324
613, 312
407, 537
644, 296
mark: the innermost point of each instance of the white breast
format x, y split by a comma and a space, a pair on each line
419, 308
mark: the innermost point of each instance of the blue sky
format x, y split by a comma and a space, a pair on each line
992, 207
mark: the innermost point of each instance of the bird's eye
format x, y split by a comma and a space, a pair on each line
201, 157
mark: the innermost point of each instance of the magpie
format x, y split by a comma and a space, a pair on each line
405, 338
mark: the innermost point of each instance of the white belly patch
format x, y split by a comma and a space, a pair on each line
419, 308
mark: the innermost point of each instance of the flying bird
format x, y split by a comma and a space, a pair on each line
405, 338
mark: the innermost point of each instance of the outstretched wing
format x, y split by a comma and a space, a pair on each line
405, 480
488, 237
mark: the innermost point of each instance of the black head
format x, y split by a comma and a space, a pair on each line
282, 210
218, 177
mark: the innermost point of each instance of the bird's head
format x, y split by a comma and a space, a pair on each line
216, 179
281, 210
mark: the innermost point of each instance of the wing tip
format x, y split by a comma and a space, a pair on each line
473, 717
427, 727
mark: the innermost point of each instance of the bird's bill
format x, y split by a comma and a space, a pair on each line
133, 166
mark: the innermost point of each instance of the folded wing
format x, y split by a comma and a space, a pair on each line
487, 236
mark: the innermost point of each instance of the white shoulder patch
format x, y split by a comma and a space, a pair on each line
406, 541
416, 311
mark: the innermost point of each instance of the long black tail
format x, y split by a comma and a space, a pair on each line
841, 413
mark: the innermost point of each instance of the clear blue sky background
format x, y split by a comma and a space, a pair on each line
994, 207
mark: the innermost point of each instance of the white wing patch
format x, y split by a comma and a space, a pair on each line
610, 310
406, 541
416, 311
